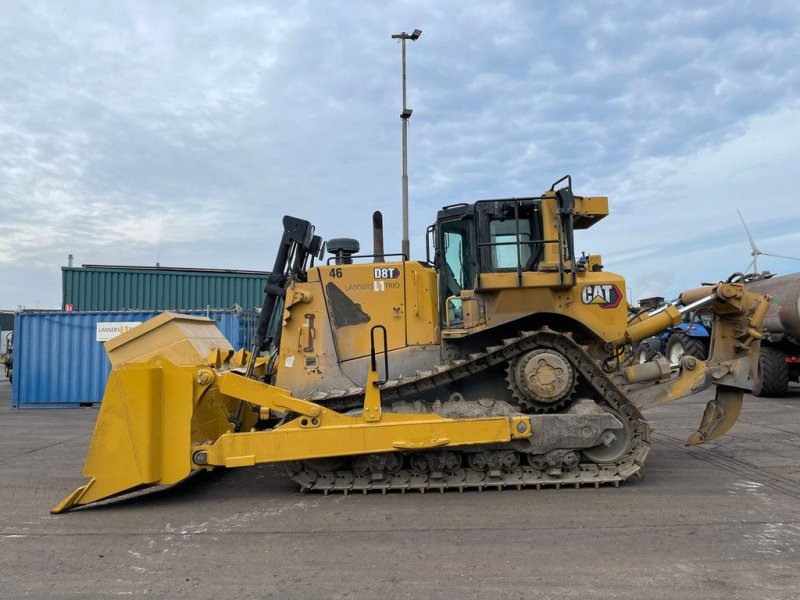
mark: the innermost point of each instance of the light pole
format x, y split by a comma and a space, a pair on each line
404, 116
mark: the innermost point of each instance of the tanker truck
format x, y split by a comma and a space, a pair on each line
779, 360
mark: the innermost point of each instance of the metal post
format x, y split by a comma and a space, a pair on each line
406, 244
404, 116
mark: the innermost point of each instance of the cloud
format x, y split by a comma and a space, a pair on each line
181, 133
681, 211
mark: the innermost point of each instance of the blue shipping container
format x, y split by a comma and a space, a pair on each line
58, 362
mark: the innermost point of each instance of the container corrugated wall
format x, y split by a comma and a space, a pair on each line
121, 288
59, 363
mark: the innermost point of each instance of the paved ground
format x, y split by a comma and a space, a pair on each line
716, 522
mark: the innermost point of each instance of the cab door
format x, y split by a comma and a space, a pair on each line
455, 259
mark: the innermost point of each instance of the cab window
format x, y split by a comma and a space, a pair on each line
455, 272
500, 222
456, 263
503, 235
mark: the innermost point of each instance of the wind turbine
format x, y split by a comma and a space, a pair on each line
756, 252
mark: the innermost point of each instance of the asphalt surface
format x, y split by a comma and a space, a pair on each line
721, 521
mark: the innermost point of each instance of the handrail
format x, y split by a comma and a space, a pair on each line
373, 361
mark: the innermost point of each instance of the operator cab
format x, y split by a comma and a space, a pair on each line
489, 236
493, 244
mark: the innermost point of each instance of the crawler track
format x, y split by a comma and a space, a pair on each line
479, 468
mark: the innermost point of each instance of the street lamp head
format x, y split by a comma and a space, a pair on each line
413, 36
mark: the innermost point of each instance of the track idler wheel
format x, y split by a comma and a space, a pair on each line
613, 444
541, 380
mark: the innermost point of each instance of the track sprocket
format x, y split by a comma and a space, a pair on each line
541, 380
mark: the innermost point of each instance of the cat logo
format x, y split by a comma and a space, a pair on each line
604, 295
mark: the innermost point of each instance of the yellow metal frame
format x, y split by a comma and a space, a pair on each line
320, 432
160, 421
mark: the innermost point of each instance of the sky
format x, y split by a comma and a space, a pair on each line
180, 133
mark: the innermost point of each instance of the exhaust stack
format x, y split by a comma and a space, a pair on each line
377, 236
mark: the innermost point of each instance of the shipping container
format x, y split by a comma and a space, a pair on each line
102, 287
59, 359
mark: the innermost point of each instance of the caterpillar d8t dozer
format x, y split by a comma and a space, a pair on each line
499, 363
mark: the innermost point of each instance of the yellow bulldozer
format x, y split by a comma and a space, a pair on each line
502, 360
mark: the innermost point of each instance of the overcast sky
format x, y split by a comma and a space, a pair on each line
180, 133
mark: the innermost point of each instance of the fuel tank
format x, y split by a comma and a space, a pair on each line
783, 315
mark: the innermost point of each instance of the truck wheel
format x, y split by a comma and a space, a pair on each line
680, 344
772, 378
644, 352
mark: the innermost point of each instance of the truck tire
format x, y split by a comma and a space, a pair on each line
680, 345
643, 353
772, 377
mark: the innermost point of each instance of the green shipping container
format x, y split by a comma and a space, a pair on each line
114, 288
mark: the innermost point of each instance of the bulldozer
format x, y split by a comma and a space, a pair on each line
502, 360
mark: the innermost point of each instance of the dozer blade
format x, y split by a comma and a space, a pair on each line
143, 432
720, 415
142, 435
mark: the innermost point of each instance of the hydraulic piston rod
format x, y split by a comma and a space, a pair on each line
650, 323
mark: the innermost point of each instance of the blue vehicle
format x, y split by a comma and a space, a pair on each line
691, 337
